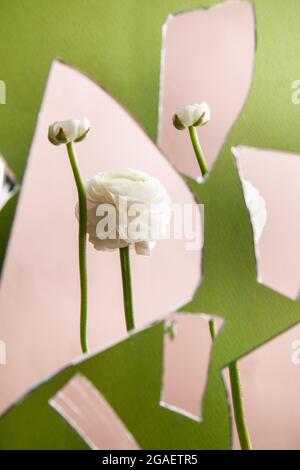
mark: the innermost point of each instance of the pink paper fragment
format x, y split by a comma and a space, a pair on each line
85, 409
208, 56
276, 175
186, 367
39, 291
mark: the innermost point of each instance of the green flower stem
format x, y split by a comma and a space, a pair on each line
234, 374
127, 290
198, 150
82, 244
238, 406
212, 329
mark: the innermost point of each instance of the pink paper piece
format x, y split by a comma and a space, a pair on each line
39, 292
208, 56
276, 175
186, 367
85, 409
271, 387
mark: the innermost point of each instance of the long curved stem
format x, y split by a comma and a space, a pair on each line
198, 150
81, 245
238, 406
234, 374
127, 289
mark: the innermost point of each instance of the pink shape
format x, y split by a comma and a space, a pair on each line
39, 294
276, 175
86, 410
209, 56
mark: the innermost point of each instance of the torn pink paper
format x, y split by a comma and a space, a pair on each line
185, 368
85, 409
271, 387
208, 55
39, 292
276, 175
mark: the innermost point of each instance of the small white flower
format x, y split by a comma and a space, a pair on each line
191, 115
73, 130
257, 208
126, 207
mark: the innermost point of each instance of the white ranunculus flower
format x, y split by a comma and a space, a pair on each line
191, 115
257, 208
127, 207
73, 130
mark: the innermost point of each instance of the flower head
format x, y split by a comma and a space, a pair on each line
257, 208
127, 207
191, 115
73, 130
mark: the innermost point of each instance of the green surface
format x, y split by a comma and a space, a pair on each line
118, 44
129, 375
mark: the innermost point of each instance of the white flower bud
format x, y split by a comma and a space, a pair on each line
73, 130
191, 115
257, 208
126, 207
